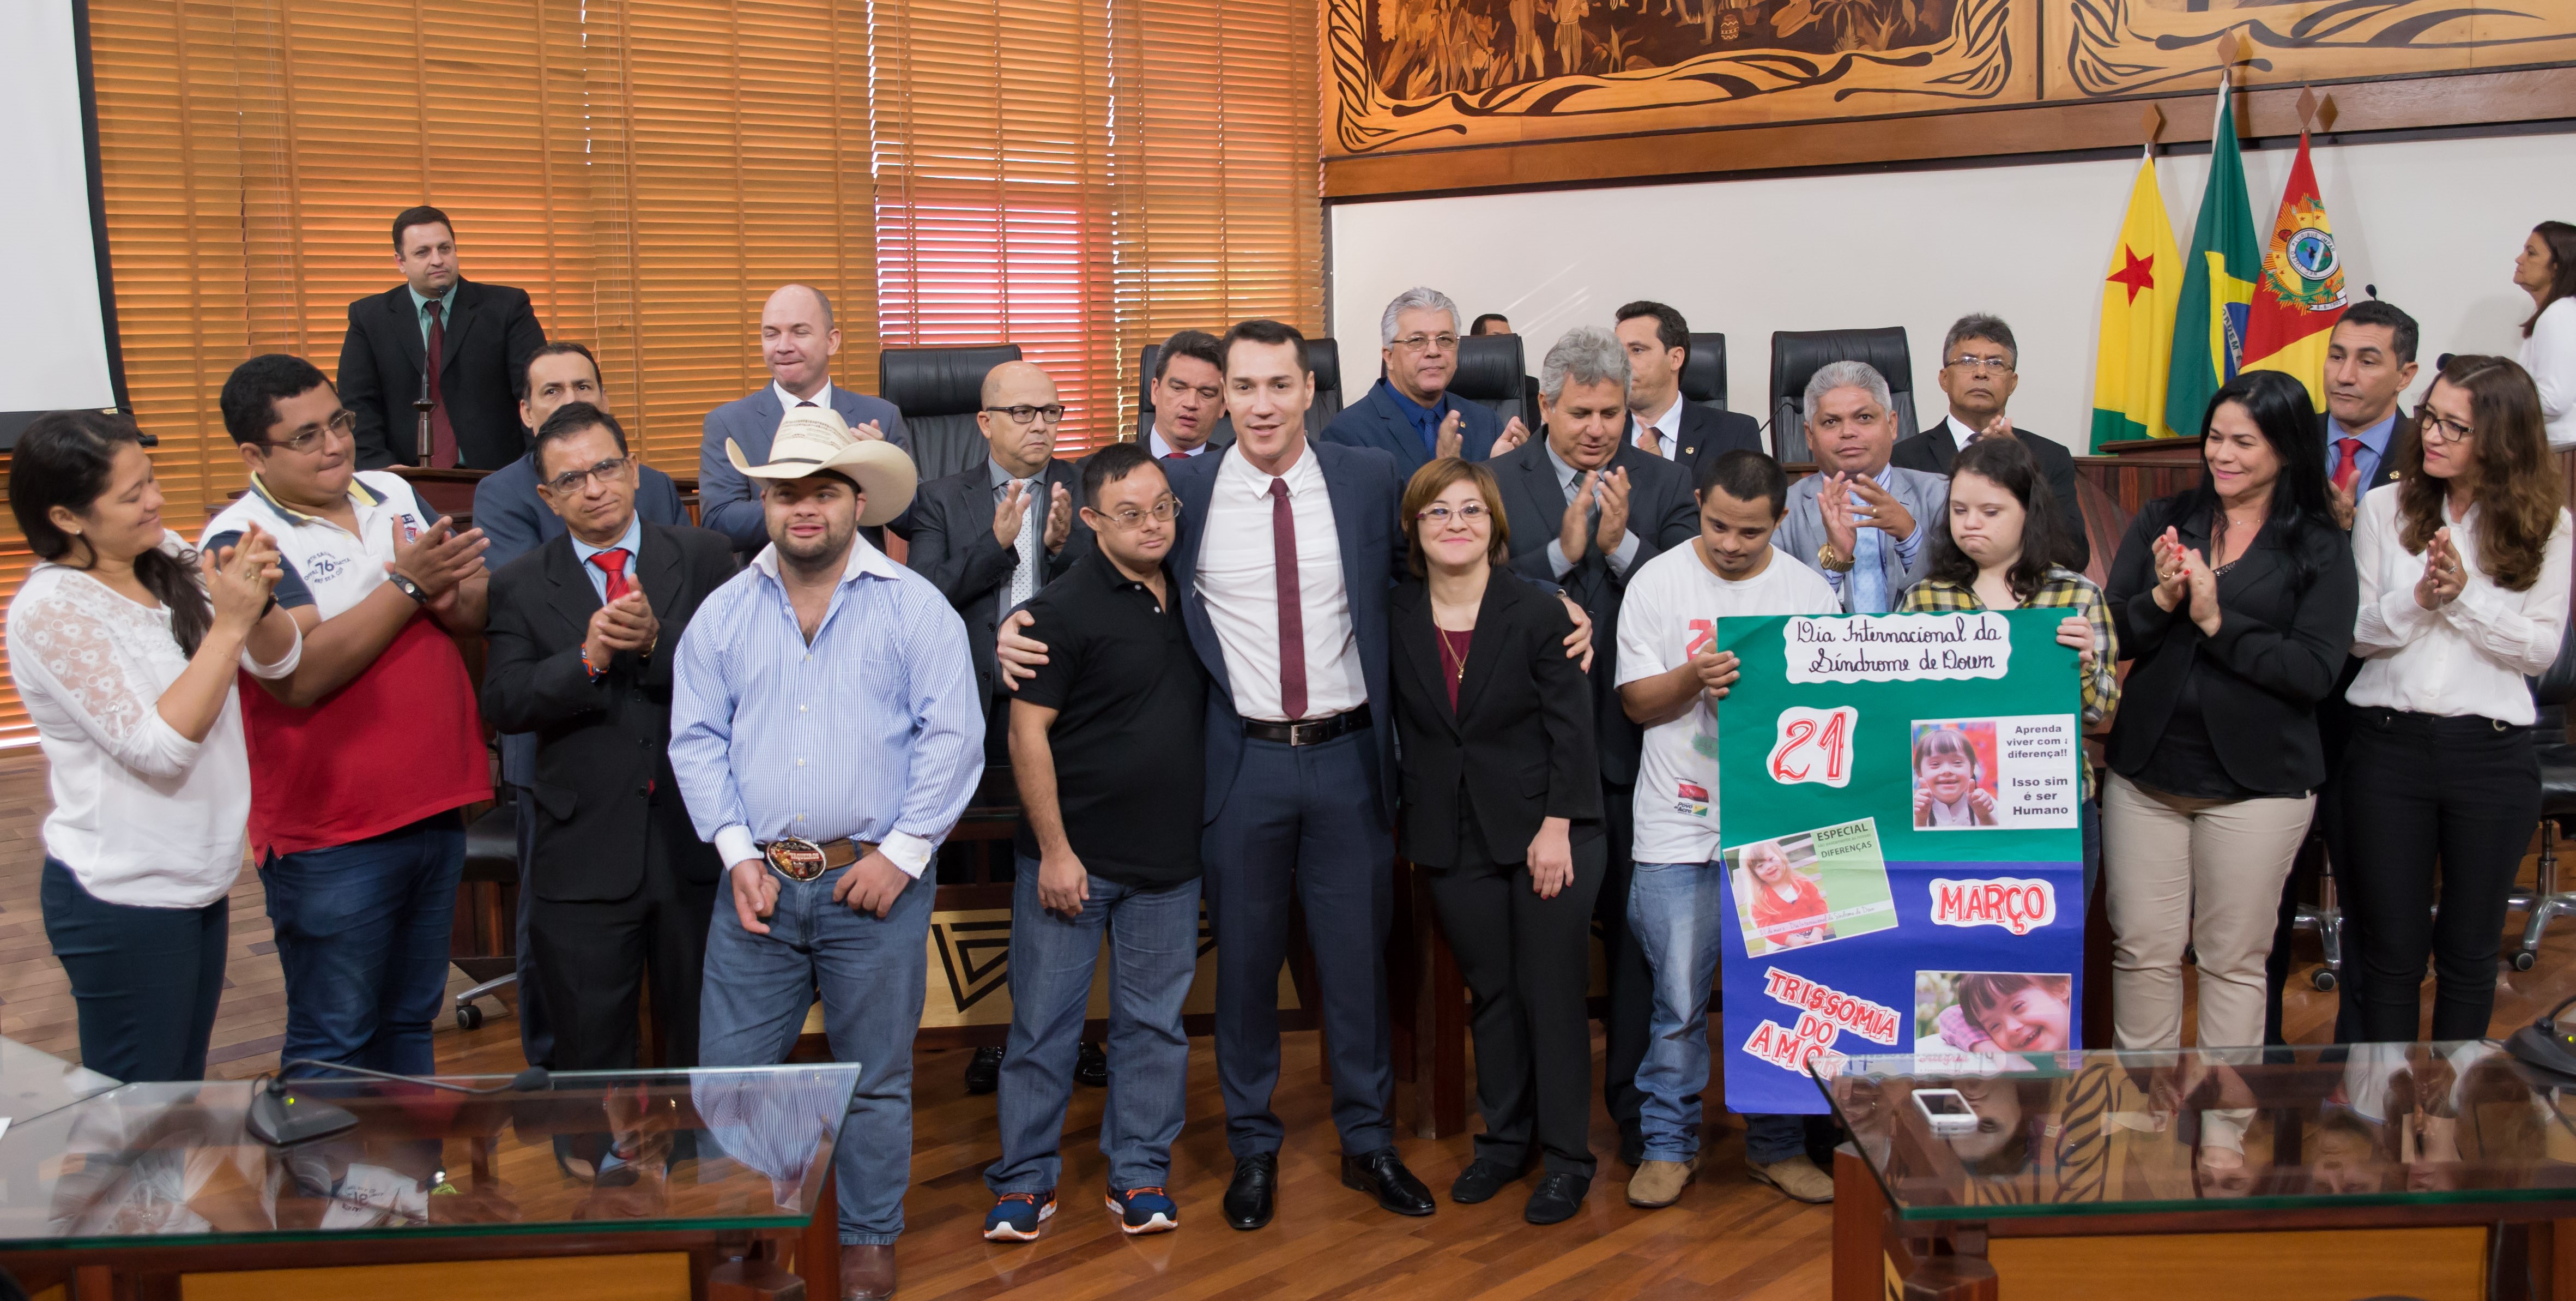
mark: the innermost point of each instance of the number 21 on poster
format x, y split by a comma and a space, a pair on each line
1814, 745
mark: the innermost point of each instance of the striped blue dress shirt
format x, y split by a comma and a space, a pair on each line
871, 733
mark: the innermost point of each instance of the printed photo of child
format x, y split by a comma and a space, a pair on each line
1989, 1014
1954, 775
1810, 887
1782, 895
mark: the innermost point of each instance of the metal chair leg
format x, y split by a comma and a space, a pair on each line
2547, 900
470, 1017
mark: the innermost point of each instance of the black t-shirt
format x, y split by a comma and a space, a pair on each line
1129, 738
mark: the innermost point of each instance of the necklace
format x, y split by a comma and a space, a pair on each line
1453, 656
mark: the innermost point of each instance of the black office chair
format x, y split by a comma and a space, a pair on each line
1324, 357
2550, 693
491, 859
1704, 371
939, 390
1491, 374
1796, 355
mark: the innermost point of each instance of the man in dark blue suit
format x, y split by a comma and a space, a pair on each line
1300, 759
1409, 414
797, 339
1661, 423
516, 521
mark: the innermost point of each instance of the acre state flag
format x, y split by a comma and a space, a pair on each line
2139, 295
2218, 283
2300, 295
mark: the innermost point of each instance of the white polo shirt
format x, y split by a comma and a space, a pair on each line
326, 566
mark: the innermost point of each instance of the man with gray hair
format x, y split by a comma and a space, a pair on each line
1978, 375
1585, 507
1409, 413
1861, 521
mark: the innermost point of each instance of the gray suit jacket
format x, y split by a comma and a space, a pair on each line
726, 500
1802, 531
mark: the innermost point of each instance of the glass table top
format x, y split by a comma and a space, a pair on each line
33, 1082
2082, 1133
144, 1164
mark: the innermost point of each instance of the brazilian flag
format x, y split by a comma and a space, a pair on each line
2218, 282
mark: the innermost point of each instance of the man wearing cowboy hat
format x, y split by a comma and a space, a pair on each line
825, 731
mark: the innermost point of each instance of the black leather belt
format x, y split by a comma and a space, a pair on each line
803, 860
1311, 731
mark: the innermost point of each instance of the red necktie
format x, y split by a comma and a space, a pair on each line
2349, 468
442, 436
612, 562
1176, 456
1292, 614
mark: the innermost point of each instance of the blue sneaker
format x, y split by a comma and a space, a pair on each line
1015, 1217
1144, 1210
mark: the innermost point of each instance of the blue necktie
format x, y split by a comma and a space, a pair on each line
1869, 573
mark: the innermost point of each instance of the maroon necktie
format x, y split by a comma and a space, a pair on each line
2350, 466
1292, 616
612, 562
1176, 456
442, 436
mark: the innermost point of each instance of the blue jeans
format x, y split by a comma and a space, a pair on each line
145, 980
872, 974
1675, 911
362, 933
1153, 952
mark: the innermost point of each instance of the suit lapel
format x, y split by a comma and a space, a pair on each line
1197, 491
1417, 643
460, 318
407, 333
663, 575
1945, 446
1346, 525
575, 598
1484, 648
1397, 431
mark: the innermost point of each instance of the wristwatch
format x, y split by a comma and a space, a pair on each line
1832, 559
407, 587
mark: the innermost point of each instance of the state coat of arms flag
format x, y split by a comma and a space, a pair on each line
2139, 294
2300, 294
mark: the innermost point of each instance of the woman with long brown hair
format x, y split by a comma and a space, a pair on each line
2464, 571
2546, 270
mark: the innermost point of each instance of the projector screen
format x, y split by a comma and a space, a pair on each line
58, 328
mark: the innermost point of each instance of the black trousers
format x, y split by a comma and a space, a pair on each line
593, 958
1528, 965
1632, 987
2417, 789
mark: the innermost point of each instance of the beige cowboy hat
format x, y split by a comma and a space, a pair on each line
812, 439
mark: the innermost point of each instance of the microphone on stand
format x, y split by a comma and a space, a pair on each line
281, 1117
422, 404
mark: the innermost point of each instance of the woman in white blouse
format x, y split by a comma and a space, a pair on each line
123, 645
2546, 270
2464, 572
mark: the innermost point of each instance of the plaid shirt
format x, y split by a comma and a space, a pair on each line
2062, 589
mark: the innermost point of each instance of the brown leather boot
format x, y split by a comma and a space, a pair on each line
867, 1273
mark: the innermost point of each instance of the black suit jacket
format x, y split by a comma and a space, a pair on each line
490, 335
603, 769
1520, 726
952, 545
1707, 435
2283, 636
1934, 449
1662, 514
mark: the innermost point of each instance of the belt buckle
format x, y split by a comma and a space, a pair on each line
795, 858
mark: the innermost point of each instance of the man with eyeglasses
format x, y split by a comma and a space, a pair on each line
1409, 413
1978, 375
362, 761
1108, 844
1188, 415
512, 513
1862, 520
581, 631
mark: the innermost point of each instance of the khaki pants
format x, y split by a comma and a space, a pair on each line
2200, 872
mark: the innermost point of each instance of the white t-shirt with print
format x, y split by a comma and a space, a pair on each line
1669, 614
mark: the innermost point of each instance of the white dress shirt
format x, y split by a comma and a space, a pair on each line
1959, 434
1162, 449
2550, 355
142, 815
788, 401
2469, 657
1667, 427
1238, 579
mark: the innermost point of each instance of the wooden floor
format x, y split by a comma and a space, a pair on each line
1728, 1238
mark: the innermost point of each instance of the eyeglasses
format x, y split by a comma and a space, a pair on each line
1439, 515
1976, 365
1417, 342
1024, 413
1163, 512
570, 481
342, 425
2429, 423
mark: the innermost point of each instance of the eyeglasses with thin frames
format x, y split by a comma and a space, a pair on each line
571, 481
343, 424
1439, 515
1162, 512
1417, 342
1975, 365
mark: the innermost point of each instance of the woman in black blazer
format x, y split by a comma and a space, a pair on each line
1502, 805
2235, 600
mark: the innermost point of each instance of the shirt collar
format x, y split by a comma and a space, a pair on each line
1003, 478
1959, 432
2375, 437
1307, 475
864, 559
1105, 571
1161, 449
631, 541
1565, 473
1669, 424
446, 301
1420, 415
359, 493
787, 401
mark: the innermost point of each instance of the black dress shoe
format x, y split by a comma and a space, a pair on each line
1256, 1181
1381, 1174
1557, 1197
1091, 1065
1632, 1144
984, 1071
1480, 1181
